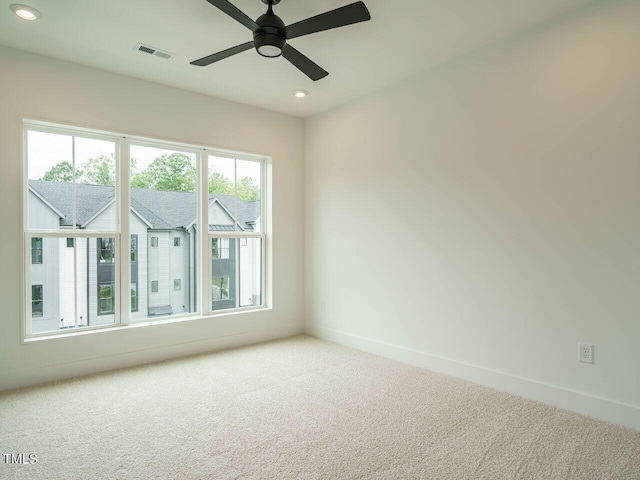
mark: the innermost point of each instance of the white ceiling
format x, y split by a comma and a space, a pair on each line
402, 38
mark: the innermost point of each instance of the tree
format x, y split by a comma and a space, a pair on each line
99, 171
62, 172
247, 190
173, 172
220, 184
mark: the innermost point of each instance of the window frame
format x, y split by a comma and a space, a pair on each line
264, 234
121, 232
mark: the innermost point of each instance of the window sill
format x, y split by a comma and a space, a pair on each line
141, 324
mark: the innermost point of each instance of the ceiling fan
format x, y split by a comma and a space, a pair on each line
270, 34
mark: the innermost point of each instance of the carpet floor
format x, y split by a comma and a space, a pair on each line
299, 408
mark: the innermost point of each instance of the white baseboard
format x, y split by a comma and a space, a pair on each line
32, 376
580, 402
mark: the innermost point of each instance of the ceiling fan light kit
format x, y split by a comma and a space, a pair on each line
269, 39
270, 35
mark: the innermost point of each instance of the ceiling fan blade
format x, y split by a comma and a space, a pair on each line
347, 15
302, 63
204, 61
234, 13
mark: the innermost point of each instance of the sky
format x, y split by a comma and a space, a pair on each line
48, 149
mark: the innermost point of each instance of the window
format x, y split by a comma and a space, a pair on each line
36, 251
220, 248
106, 251
37, 309
236, 232
134, 273
106, 300
77, 209
134, 297
134, 248
220, 288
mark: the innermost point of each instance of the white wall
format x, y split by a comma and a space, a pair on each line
57, 91
482, 218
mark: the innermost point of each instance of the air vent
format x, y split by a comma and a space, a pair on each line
141, 47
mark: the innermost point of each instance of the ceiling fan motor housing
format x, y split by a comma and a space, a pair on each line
270, 38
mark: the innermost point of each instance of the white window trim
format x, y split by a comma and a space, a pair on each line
264, 235
122, 231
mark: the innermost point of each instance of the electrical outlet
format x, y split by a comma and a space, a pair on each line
585, 352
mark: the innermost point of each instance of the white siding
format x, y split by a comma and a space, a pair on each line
67, 282
179, 270
159, 268
218, 215
139, 228
41, 216
105, 221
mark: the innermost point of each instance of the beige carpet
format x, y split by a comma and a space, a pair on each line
299, 408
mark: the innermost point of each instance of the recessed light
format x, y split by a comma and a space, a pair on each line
300, 93
25, 12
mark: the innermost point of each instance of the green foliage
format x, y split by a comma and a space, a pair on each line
220, 184
99, 171
173, 172
62, 172
247, 190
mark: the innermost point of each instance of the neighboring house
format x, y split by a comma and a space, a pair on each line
163, 254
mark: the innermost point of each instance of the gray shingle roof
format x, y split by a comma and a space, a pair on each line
90, 199
161, 208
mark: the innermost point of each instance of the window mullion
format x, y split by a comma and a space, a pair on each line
204, 244
123, 255
27, 282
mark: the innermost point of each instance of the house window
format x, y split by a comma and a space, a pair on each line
220, 288
134, 248
77, 203
106, 299
36, 251
106, 250
220, 248
37, 309
134, 297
